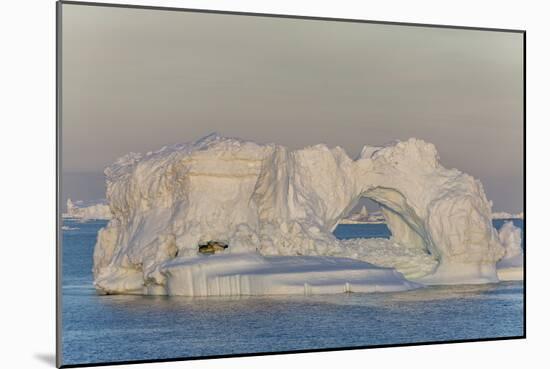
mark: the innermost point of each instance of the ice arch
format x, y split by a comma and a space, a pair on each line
277, 201
442, 211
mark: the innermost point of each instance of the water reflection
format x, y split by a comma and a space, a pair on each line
98, 328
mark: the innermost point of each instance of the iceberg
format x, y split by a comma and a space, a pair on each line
276, 209
78, 210
510, 267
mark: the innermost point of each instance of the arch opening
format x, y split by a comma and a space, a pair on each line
406, 246
405, 225
390, 207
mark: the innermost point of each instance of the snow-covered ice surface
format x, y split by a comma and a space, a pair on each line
281, 202
412, 263
79, 210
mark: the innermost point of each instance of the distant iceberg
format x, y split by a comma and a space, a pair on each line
81, 211
363, 216
266, 202
505, 215
67, 228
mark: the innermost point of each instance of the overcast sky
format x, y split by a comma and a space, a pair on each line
136, 80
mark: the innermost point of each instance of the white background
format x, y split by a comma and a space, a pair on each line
27, 224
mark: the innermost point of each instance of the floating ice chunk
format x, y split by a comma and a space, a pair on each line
510, 267
67, 228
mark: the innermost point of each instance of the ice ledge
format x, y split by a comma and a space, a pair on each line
252, 274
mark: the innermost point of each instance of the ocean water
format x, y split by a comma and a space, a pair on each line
120, 328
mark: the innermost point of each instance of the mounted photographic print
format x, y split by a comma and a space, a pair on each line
241, 184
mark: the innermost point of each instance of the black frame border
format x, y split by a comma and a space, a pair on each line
58, 112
